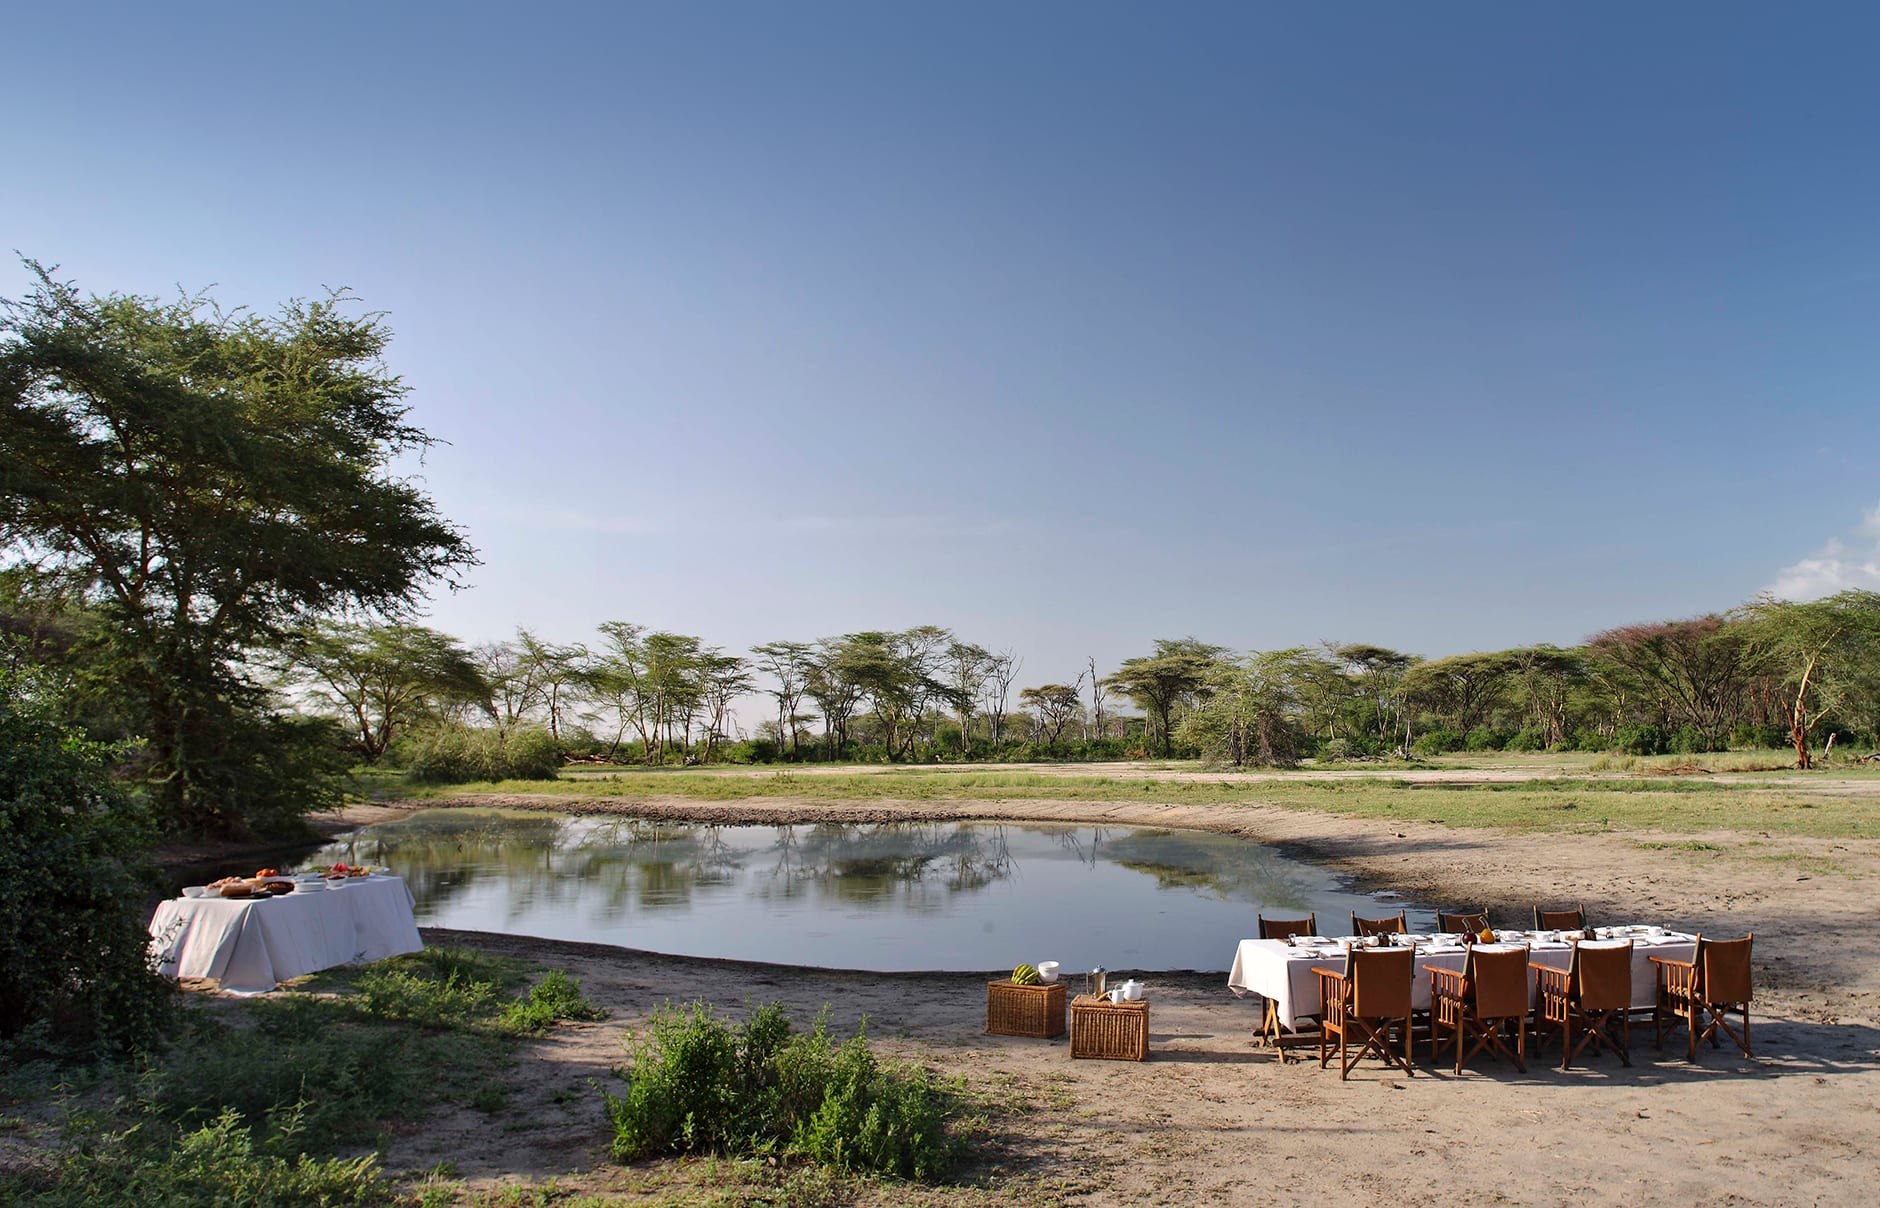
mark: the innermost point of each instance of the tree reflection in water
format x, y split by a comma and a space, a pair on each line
1243, 872
634, 881
886, 863
616, 865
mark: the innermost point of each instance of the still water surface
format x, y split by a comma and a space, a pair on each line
886, 896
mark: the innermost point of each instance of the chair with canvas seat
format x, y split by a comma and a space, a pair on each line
1590, 1001
1393, 924
1367, 1002
1481, 1003
1560, 920
1271, 1033
1699, 994
1462, 924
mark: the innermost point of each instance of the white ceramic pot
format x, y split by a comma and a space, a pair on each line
1132, 991
1047, 971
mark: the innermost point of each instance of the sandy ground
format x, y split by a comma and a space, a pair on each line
1212, 1118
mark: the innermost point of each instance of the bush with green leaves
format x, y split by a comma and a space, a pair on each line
1689, 740
77, 978
455, 754
696, 1083
218, 1165
1640, 740
1530, 739
1482, 738
556, 997
1437, 742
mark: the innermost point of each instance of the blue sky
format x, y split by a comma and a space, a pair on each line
1066, 326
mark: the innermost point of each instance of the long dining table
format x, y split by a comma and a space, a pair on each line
250, 945
1285, 970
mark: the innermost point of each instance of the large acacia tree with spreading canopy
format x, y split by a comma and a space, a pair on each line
205, 481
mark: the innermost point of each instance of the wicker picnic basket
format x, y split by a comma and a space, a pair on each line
1114, 1031
1035, 1011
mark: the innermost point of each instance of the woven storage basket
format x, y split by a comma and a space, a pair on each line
1036, 1011
1116, 1031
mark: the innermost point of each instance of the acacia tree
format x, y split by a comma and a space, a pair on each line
1376, 675
515, 685
835, 691
790, 664
1175, 675
1249, 714
384, 678
1462, 689
1001, 673
1054, 705
206, 480
722, 678
1694, 672
967, 667
559, 674
1824, 649
899, 675
1547, 677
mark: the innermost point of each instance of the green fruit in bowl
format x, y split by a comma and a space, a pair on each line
1024, 975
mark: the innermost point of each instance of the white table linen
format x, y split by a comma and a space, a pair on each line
1286, 974
250, 945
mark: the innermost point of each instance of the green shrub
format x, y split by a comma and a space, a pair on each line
1761, 738
1350, 746
1639, 740
76, 980
874, 1119
556, 997
460, 754
1482, 738
452, 1002
1437, 742
1530, 739
214, 1166
697, 1084
1689, 740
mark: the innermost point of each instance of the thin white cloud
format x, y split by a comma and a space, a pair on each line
1837, 566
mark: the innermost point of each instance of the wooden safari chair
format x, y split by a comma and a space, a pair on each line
1700, 993
1590, 1001
1271, 1033
1560, 920
1389, 925
1369, 999
1462, 924
1480, 1003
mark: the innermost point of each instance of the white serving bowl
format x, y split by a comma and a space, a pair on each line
195, 891
1047, 971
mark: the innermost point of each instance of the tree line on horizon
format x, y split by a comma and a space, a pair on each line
1770, 674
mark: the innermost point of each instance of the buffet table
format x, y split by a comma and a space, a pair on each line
250, 945
1284, 972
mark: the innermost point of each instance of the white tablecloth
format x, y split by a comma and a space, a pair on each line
251, 945
1276, 970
